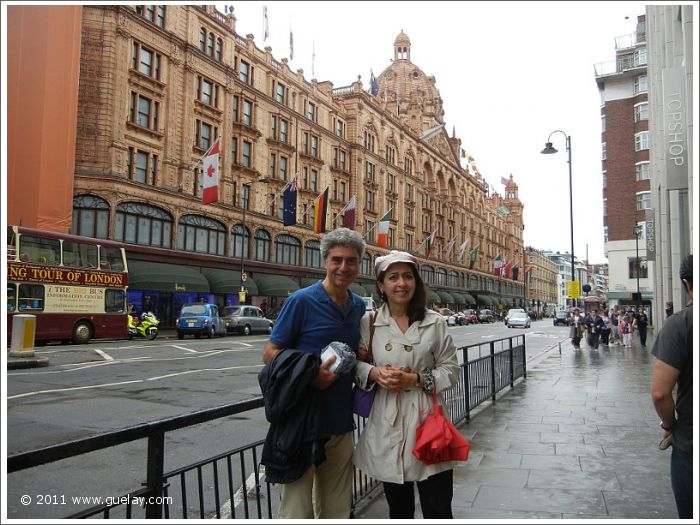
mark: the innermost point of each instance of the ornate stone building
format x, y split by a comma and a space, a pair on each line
159, 84
541, 282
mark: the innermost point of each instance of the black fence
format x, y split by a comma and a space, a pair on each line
231, 484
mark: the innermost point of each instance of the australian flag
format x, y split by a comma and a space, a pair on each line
289, 213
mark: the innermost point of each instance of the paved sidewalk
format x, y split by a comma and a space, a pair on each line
576, 440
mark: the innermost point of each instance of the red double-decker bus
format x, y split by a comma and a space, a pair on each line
75, 286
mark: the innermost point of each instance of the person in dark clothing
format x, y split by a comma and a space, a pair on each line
669, 309
594, 325
642, 323
673, 349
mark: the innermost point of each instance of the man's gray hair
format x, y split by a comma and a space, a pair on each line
342, 237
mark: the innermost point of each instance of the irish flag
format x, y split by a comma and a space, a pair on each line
383, 230
210, 174
320, 208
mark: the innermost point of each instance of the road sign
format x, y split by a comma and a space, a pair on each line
573, 289
241, 296
244, 277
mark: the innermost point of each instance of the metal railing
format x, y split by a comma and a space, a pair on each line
215, 487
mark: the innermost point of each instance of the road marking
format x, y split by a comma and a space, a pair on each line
238, 497
103, 385
185, 349
104, 355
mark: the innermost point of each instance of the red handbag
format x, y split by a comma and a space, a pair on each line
437, 439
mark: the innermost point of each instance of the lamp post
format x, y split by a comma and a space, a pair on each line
637, 232
244, 243
549, 149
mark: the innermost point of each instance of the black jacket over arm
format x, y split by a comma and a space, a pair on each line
298, 431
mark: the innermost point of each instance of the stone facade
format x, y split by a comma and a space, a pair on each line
158, 84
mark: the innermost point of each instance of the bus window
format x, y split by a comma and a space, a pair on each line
31, 297
115, 300
111, 259
40, 250
11, 296
79, 254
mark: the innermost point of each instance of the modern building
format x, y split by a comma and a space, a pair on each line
158, 85
670, 222
626, 169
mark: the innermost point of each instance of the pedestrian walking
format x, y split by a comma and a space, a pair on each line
594, 324
310, 319
642, 322
627, 329
673, 349
576, 328
414, 357
605, 330
615, 325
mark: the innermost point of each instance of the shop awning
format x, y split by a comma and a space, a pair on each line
372, 291
162, 277
469, 298
432, 297
359, 290
483, 300
275, 285
228, 281
446, 297
308, 281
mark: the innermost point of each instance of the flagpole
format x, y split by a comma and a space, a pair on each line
199, 160
341, 211
377, 223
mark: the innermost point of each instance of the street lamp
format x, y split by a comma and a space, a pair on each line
637, 232
244, 243
548, 149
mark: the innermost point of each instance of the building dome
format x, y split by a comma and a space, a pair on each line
402, 39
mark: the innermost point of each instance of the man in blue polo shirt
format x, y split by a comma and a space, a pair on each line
310, 319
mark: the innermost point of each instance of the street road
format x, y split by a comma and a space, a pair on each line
107, 385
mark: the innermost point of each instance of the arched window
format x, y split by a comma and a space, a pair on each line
201, 234
367, 264
238, 244
312, 254
453, 279
287, 249
219, 49
90, 217
428, 274
441, 275
473, 282
262, 245
139, 223
203, 39
210, 45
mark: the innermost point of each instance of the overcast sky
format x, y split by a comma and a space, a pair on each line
509, 74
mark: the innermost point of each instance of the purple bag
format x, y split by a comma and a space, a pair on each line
362, 399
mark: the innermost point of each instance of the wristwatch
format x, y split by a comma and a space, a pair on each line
668, 429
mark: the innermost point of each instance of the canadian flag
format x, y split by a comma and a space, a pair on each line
210, 174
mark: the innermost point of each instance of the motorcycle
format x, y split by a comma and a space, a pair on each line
146, 327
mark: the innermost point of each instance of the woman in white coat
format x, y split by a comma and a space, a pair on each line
414, 356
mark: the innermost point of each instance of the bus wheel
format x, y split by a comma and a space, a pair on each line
81, 333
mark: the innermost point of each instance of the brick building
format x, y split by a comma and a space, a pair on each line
159, 84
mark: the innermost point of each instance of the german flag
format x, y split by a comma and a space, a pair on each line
320, 208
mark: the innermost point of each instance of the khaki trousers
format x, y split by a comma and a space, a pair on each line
324, 491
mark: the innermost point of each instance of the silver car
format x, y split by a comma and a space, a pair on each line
244, 319
520, 319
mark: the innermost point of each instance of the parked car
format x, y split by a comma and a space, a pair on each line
519, 319
470, 315
485, 316
561, 317
448, 315
199, 319
460, 318
245, 319
512, 311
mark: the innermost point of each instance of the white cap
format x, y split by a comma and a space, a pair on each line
394, 256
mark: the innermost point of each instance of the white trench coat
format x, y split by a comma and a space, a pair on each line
384, 450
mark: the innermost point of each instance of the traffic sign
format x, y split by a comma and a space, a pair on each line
241, 296
244, 277
573, 289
